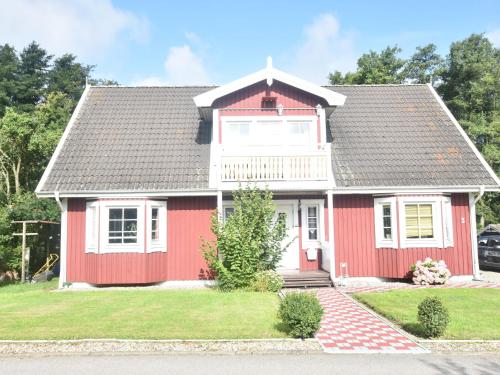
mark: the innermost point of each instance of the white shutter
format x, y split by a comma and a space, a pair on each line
448, 222
159, 244
91, 227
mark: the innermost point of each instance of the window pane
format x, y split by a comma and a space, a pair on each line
386, 210
411, 210
228, 211
313, 234
311, 211
130, 225
387, 233
115, 213
426, 221
154, 213
115, 234
115, 226
312, 223
426, 233
411, 221
130, 213
115, 240
130, 240
425, 209
387, 222
411, 232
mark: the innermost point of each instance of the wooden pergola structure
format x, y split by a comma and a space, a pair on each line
25, 251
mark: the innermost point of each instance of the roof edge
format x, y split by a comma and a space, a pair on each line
268, 74
65, 134
464, 135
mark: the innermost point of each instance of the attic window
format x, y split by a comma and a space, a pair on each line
269, 102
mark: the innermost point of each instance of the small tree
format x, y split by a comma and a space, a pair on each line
248, 241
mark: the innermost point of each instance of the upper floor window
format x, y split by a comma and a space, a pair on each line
269, 130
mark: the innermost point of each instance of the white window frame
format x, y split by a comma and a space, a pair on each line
159, 245
92, 227
437, 223
447, 222
105, 246
380, 241
304, 205
256, 140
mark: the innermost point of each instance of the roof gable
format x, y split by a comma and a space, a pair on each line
269, 74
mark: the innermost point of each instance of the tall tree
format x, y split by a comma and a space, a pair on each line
470, 88
33, 71
374, 68
69, 76
9, 67
424, 65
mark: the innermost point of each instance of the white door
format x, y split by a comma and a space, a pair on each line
290, 259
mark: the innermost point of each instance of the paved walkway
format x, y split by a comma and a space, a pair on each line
347, 327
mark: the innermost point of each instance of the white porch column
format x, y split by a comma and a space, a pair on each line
331, 238
219, 204
64, 243
473, 235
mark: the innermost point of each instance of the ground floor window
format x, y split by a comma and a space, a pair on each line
424, 221
125, 226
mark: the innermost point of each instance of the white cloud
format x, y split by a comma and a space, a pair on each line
325, 49
494, 37
83, 27
183, 66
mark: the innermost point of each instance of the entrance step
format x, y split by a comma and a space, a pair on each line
308, 279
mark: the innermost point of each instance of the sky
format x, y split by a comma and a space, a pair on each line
214, 42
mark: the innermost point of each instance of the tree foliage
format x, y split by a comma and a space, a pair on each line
248, 241
469, 82
37, 96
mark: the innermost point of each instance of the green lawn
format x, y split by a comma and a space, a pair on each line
474, 313
37, 312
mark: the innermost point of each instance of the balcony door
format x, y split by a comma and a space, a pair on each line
290, 260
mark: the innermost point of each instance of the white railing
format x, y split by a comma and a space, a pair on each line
305, 166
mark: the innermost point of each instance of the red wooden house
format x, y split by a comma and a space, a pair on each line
370, 178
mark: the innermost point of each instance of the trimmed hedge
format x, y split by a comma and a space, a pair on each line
301, 313
433, 316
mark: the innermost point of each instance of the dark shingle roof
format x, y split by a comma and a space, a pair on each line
399, 135
135, 138
151, 139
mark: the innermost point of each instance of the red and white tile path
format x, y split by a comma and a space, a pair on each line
347, 327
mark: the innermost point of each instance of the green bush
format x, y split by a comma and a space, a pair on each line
267, 281
301, 313
248, 241
433, 316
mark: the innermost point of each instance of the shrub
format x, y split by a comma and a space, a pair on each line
301, 313
249, 240
433, 316
267, 281
429, 272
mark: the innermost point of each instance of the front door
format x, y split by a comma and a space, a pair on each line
290, 259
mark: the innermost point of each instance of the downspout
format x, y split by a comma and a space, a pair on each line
473, 231
58, 200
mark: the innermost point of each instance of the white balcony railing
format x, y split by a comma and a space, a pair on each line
304, 166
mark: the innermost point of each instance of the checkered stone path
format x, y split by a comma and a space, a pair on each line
384, 287
347, 327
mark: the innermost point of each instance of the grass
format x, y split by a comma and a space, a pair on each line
35, 311
474, 313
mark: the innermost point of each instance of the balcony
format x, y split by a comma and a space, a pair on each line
278, 163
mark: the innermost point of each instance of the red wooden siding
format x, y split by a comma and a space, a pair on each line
251, 97
355, 241
188, 220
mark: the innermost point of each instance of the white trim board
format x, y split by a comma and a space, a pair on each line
269, 74
65, 134
462, 132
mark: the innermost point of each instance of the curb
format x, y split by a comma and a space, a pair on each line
123, 346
